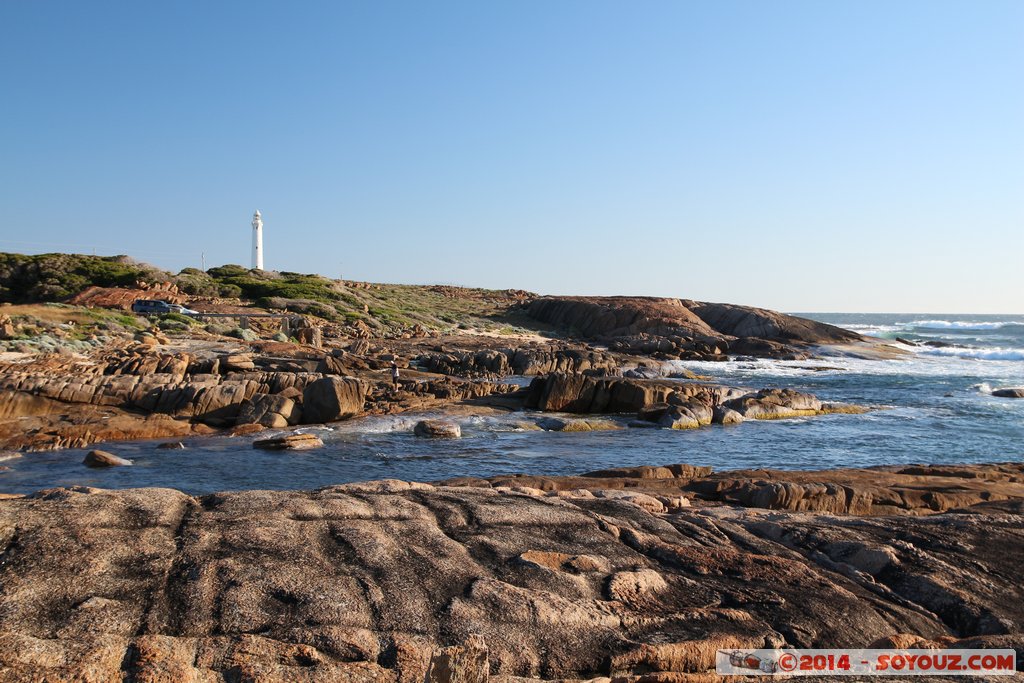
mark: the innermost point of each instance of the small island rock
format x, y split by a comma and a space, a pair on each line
97, 458
437, 429
292, 442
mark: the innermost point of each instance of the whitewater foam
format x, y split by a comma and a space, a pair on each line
974, 353
960, 324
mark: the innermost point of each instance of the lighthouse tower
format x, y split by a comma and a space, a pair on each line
257, 241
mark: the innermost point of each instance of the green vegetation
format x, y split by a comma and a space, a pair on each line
54, 277
55, 327
385, 309
178, 318
264, 284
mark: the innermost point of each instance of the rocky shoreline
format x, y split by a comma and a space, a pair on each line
630, 575
610, 351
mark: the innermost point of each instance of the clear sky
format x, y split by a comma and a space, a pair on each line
815, 156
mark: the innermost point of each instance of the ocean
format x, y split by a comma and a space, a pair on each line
932, 406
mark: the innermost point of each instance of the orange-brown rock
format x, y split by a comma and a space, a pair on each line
385, 581
684, 328
123, 298
289, 442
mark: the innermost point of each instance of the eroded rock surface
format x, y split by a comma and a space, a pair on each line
378, 581
680, 328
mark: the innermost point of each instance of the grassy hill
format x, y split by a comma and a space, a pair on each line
45, 278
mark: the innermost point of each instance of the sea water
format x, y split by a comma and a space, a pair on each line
933, 406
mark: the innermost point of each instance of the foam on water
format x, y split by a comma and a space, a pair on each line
960, 324
975, 353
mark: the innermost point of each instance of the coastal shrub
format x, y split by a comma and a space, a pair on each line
178, 317
306, 306
54, 277
175, 322
130, 321
274, 303
225, 271
280, 337
229, 291
196, 283
258, 284
243, 334
172, 325
218, 328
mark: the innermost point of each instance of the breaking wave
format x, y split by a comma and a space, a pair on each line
974, 353
960, 324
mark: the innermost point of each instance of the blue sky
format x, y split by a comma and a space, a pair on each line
828, 156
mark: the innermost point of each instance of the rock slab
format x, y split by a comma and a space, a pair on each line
98, 458
378, 581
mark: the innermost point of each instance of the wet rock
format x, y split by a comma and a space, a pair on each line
583, 394
772, 404
558, 424
678, 417
643, 373
437, 429
725, 416
1011, 392
171, 446
653, 412
97, 458
294, 442
834, 408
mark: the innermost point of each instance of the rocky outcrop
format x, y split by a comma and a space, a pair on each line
680, 328
1011, 392
123, 298
582, 394
675, 405
774, 404
216, 399
527, 361
438, 429
289, 442
78, 426
385, 581
333, 398
620, 316
97, 458
885, 491
761, 323
270, 410
558, 424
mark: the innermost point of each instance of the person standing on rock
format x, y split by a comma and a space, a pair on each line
394, 374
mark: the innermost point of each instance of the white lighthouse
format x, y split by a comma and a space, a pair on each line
257, 241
